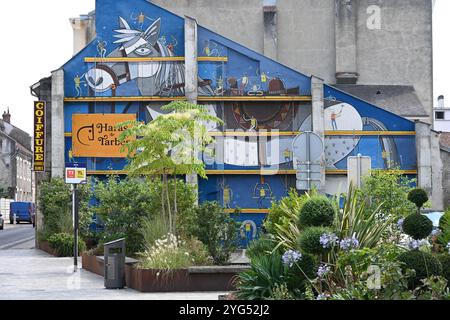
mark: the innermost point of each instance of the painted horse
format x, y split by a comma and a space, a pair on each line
153, 78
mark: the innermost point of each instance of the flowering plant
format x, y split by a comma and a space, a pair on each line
290, 257
328, 240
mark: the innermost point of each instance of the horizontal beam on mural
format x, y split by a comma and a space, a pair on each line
264, 211
250, 172
183, 98
152, 59
255, 98
123, 99
370, 133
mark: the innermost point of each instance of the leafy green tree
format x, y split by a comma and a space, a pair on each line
169, 145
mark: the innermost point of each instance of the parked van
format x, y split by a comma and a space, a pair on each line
22, 211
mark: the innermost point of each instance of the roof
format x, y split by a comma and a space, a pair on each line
445, 141
16, 134
398, 99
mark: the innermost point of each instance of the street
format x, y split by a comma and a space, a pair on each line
17, 236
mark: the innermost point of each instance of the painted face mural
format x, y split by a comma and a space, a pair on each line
153, 78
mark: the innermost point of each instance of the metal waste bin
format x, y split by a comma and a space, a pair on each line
115, 264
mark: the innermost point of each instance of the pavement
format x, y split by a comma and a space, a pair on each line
31, 274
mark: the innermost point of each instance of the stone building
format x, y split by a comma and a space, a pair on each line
357, 73
16, 178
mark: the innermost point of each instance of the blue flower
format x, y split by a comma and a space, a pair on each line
349, 243
436, 232
323, 270
328, 240
414, 244
290, 257
400, 224
323, 296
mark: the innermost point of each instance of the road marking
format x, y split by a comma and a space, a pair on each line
15, 243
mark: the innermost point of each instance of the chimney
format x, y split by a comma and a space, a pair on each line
441, 104
7, 116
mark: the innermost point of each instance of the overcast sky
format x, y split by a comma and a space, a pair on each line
37, 38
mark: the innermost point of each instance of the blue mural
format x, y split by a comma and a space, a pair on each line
139, 53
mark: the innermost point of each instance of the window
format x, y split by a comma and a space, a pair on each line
439, 115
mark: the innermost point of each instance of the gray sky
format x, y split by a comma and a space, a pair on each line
37, 38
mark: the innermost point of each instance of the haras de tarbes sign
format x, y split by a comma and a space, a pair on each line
96, 135
39, 137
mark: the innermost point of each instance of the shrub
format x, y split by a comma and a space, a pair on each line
309, 240
63, 244
122, 203
417, 226
212, 226
444, 259
444, 225
263, 245
170, 253
424, 264
418, 197
317, 211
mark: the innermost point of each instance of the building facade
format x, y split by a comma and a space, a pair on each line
16, 178
144, 56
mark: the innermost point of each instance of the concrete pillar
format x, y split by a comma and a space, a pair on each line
191, 73
345, 37
423, 148
270, 32
437, 167
57, 133
318, 119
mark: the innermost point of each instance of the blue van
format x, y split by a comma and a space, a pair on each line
23, 211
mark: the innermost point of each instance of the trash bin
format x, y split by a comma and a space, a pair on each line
115, 264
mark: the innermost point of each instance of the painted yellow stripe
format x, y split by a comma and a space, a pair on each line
152, 59
249, 172
252, 134
248, 210
370, 133
254, 98
116, 99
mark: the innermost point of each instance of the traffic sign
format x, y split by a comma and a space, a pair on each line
307, 147
76, 173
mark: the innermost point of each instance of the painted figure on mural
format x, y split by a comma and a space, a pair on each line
210, 49
334, 116
252, 121
101, 48
152, 78
262, 191
227, 196
77, 82
287, 154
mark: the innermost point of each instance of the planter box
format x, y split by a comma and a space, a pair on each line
183, 280
93, 264
45, 246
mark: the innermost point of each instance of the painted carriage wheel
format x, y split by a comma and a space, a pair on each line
266, 118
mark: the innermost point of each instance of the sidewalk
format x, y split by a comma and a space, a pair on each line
32, 274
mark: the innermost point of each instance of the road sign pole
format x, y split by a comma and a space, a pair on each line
75, 227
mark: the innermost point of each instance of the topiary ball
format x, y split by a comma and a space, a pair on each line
418, 197
423, 263
309, 240
417, 226
317, 212
444, 259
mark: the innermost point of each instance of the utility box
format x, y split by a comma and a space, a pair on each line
115, 264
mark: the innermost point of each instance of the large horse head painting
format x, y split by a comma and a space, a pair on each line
153, 78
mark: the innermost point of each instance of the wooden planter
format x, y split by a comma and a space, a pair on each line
93, 264
45, 246
182, 280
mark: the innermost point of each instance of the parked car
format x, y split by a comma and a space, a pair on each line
22, 211
2, 222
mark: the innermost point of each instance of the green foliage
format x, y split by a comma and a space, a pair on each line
281, 292
418, 197
264, 245
55, 203
444, 225
63, 244
170, 253
309, 240
266, 273
365, 222
388, 190
444, 259
211, 225
123, 203
317, 212
152, 228
423, 263
417, 226
284, 212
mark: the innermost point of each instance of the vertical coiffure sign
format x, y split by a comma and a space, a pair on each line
39, 136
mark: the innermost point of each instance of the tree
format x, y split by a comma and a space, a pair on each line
169, 145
